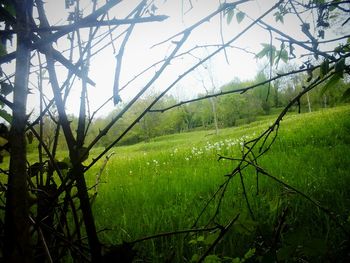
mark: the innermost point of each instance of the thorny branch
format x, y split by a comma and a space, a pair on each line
119, 57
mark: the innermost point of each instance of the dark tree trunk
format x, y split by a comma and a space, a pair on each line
17, 236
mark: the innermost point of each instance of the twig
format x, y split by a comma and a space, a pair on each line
119, 58
103, 166
46, 248
223, 231
185, 231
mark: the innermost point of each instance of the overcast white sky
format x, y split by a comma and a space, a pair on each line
139, 53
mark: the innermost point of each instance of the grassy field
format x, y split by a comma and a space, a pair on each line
163, 185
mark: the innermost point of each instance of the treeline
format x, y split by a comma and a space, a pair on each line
221, 111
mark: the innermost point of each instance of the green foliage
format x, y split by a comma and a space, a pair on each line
272, 54
5, 115
240, 16
162, 185
339, 67
324, 68
6, 88
268, 51
212, 259
229, 15
282, 11
248, 255
232, 110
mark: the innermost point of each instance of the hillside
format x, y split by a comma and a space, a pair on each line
163, 185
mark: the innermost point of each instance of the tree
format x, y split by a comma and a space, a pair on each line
48, 206
18, 245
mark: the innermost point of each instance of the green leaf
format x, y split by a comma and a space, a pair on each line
6, 116
211, 238
337, 49
195, 258
324, 68
284, 55
212, 259
331, 82
3, 141
250, 253
200, 238
192, 242
279, 17
6, 88
229, 14
339, 67
240, 16
267, 51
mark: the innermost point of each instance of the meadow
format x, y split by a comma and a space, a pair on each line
163, 185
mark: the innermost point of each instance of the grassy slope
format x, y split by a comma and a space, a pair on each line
163, 185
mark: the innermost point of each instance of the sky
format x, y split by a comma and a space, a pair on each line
140, 51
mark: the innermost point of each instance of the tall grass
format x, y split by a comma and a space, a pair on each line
163, 185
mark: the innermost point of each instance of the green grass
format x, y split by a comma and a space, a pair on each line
162, 186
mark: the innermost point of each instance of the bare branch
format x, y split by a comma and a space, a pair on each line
119, 58
89, 24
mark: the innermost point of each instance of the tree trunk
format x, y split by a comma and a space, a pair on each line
276, 99
74, 148
212, 102
308, 101
17, 236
